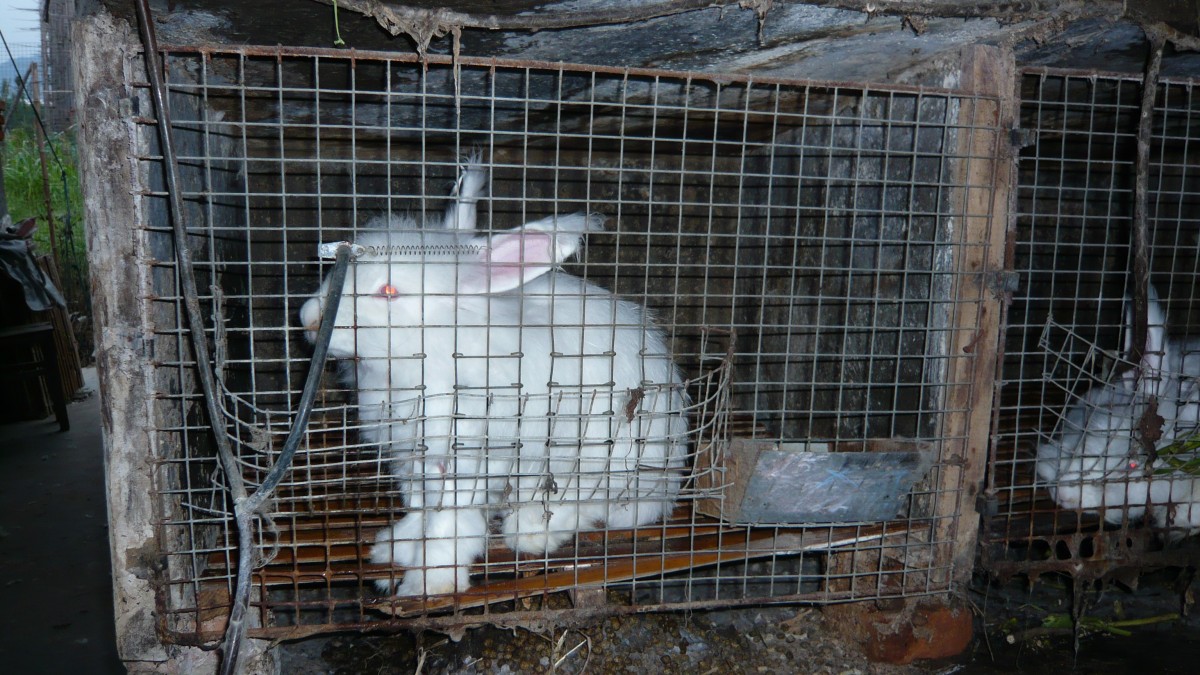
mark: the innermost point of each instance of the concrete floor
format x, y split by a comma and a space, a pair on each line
55, 586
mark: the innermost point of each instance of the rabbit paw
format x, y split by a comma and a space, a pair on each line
527, 530
399, 545
434, 562
437, 581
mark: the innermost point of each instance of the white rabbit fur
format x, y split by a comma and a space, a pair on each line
1094, 463
496, 381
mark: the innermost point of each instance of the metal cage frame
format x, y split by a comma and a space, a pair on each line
723, 189
1064, 340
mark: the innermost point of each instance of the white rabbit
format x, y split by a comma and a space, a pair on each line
498, 382
1095, 464
1169, 370
1088, 464
1175, 504
1171, 376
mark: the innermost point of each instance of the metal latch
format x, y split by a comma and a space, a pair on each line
1002, 281
328, 251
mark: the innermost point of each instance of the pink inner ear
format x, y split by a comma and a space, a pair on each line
511, 260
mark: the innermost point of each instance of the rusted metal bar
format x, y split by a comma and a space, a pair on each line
1124, 76
863, 88
1149, 427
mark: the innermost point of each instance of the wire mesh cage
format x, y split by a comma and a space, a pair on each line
1093, 467
59, 110
798, 267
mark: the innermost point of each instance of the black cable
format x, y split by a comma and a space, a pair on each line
183, 254
245, 507
191, 303
333, 297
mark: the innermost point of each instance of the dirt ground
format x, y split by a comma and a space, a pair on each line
1019, 627
768, 640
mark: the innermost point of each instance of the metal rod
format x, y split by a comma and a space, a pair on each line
210, 48
42, 141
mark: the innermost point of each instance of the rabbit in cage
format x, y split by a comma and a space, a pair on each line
1094, 463
500, 384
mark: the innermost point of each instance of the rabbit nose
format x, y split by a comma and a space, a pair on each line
310, 315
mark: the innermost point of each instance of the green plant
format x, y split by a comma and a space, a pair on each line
25, 191
23, 179
19, 112
1180, 457
1099, 625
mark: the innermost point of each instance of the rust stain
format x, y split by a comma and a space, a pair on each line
636, 396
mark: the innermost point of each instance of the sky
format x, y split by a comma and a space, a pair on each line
19, 21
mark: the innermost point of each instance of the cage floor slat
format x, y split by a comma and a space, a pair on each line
585, 572
338, 539
324, 550
326, 517
345, 562
535, 580
325, 521
1043, 520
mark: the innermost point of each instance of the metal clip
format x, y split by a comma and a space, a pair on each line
987, 505
328, 251
1002, 281
1022, 138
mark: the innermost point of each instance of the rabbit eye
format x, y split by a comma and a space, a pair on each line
388, 291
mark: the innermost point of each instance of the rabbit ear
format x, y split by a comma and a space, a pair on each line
510, 260
518, 256
568, 231
461, 215
1154, 351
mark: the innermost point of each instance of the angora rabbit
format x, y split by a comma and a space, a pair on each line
499, 383
1095, 464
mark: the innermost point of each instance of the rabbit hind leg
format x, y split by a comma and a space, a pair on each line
540, 527
435, 548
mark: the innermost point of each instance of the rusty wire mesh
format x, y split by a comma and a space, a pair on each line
1071, 486
799, 245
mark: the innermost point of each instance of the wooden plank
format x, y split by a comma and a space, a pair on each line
70, 372
988, 170
697, 553
320, 550
320, 538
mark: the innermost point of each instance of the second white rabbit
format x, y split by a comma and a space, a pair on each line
1094, 462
